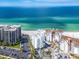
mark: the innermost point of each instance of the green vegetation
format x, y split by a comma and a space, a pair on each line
16, 45
32, 51
1, 42
1, 57
74, 56
5, 57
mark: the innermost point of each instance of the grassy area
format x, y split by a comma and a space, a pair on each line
15, 46
5, 57
1, 57
74, 56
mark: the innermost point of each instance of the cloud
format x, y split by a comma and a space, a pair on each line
40, 3
52, 1
8, 4
49, 3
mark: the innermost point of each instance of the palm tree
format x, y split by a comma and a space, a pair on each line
32, 49
1, 41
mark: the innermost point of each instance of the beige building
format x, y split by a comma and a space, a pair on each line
70, 45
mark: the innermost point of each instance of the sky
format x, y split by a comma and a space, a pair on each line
39, 3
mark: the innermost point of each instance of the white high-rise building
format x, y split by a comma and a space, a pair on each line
64, 46
10, 34
38, 39
1, 32
48, 36
18, 30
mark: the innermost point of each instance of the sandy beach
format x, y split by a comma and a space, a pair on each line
28, 32
66, 33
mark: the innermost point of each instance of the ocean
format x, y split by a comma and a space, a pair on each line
63, 18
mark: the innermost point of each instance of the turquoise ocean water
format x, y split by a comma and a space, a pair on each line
64, 18
63, 23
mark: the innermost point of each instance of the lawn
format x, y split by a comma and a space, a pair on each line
74, 56
5, 57
15, 46
1, 57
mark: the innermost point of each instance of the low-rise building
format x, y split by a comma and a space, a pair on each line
75, 47
70, 42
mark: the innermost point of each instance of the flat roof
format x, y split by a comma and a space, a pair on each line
71, 34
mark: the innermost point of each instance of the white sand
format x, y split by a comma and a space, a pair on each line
66, 33
28, 32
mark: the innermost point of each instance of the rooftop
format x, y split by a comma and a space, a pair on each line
9, 27
75, 41
71, 34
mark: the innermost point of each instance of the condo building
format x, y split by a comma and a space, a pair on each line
18, 30
10, 34
1, 32
48, 35
38, 39
70, 43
